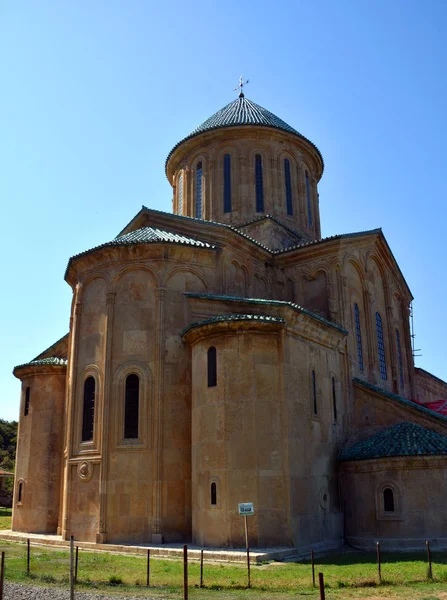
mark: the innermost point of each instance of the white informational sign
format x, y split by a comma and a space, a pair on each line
246, 508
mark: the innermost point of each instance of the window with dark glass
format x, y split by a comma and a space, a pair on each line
227, 183
180, 194
199, 190
358, 335
334, 399
288, 184
212, 367
399, 359
314, 393
388, 500
88, 415
131, 408
309, 203
381, 346
213, 494
259, 184
19, 494
27, 401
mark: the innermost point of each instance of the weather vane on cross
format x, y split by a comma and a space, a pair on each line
241, 86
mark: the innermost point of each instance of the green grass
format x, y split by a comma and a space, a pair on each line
5, 518
347, 575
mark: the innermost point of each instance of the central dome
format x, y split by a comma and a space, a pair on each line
240, 112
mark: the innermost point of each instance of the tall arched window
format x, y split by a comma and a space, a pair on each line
227, 183
199, 187
213, 494
131, 407
314, 393
334, 399
381, 346
212, 367
180, 194
88, 414
358, 336
309, 202
388, 500
259, 184
27, 401
399, 359
19, 492
288, 184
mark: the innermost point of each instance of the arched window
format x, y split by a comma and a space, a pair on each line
27, 401
314, 393
309, 203
259, 184
131, 408
180, 194
19, 492
199, 190
88, 415
212, 367
288, 184
358, 335
399, 359
388, 500
381, 346
213, 494
227, 183
334, 399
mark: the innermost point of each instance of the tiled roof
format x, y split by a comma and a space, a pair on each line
146, 235
42, 362
400, 399
404, 439
242, 112
234, 317
262, 301
327, 239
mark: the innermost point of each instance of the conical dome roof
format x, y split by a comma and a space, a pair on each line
240, 112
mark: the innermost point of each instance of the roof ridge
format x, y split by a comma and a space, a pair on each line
233, 317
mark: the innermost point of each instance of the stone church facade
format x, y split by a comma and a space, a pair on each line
226, 353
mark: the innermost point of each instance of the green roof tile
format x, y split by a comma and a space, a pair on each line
232, 318
53, 361
243, 112
404, 439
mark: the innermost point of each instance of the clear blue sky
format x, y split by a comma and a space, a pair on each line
95, 94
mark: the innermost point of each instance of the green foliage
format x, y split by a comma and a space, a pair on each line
8, 442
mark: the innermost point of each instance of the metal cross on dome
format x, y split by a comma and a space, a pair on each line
241, 86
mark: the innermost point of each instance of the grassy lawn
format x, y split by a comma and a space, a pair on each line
5, 518
348, 575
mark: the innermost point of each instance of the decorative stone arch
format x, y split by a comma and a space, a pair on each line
235, 152
267, 157
134, 267
200, 157
381, 491
181, 172
214, 480
315, 287
243, 269
188, 269
83, 285
280, 156
146, 394
94, 371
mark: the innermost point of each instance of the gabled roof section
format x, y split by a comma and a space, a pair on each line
51, 361
403, 439
400, 399
243, 112
234, 318
340, 236
59, 349
262, 302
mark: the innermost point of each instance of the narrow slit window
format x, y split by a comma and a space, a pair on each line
180, 194
388, 500
399, 359
131, 409
358, 335
334, 399
314, 393
19, 493
381, 347
199, 188
309, 202
212, 367
288, 184
213, 494
88, 415
27, 401
259, 184
227, 183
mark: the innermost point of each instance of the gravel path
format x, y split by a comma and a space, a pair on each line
15, 591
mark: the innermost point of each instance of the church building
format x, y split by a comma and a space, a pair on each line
227, 353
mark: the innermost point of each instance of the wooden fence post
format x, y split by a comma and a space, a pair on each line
430, 572
321, 582
201, 568
71, 567
27, 555
148, 574
76, 565
379, 563
2, 575
312, 558
185, 572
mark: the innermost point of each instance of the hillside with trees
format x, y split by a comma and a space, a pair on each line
8, 441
